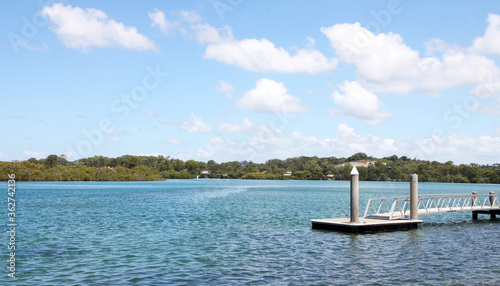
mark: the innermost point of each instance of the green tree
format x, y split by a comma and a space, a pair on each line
51, 161
358, 157
131, 162
192, 167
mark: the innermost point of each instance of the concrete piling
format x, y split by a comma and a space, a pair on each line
354, 195
474, 203
414, 197
492, 199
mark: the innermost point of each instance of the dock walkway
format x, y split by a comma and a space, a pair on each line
397, 213
399, 207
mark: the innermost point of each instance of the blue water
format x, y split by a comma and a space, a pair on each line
233, 232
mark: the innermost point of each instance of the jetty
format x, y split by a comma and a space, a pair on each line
402, 212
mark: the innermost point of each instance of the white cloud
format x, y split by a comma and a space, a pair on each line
225, 88
311, 42
115, 139
170, 27
158, 20
83, 29
264, 143
263, 56
490, 42
435, 45
270, 96
386, 64
378, 58
251, 54
246, 126
35, 154
489, 109
195, 126
359, 103
154, 154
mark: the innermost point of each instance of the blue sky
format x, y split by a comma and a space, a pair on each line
251, 80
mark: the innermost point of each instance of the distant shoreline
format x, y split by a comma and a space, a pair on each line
158, 168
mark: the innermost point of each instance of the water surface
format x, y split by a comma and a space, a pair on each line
230, 232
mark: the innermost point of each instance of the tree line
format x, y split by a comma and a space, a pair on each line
154, 168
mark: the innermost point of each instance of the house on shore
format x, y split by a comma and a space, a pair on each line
362, 163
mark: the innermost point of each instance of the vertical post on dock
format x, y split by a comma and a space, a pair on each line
414, 196
354, 195
475, 204
492, 199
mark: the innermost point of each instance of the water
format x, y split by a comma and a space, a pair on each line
233, 232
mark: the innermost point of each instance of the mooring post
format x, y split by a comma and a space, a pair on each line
414, 196
492, 200
354, 195
474, 204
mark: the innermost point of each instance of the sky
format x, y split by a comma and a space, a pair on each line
234, 80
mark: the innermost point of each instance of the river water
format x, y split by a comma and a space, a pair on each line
234, 232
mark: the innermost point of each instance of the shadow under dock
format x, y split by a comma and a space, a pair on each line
364, 224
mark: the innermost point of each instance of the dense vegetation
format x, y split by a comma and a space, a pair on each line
150, 168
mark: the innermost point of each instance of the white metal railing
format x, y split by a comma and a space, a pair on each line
399, 207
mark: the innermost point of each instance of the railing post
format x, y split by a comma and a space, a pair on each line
474, 199
354, 195
414, 196
492, 198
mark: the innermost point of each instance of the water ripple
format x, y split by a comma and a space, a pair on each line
237, 232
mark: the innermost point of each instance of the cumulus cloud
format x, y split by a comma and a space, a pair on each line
225, 88
158, 20
262, 55
378, 58
83, 29
34, 154
270, 96
386, 64
263, 143
195, 126
490, 42
251, 54
246, 126
359, 103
